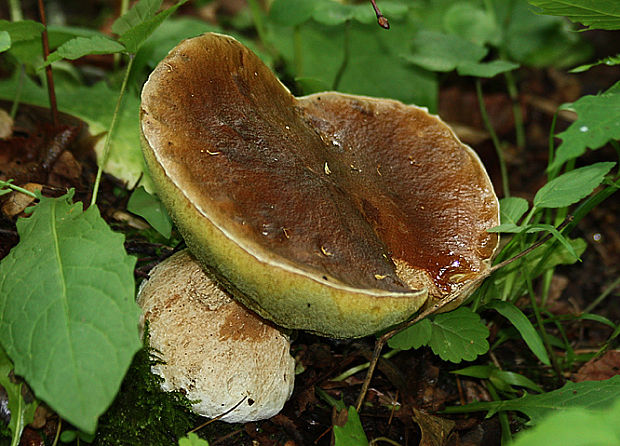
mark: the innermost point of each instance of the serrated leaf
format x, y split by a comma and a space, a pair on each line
5, 41
137, 34
485, 69
572, 186
436, 51
511, 209
597, 14
458, 335
192, 440
21, 413
412, 337
586, 394
352, 433
598, 122
82, 46
139, 13
151, 209
68, 318
524, 326
575, 427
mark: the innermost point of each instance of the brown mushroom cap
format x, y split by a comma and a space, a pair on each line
331, 213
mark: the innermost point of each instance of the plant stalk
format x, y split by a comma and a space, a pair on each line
48, 68
494, 138
15, 11
108, 139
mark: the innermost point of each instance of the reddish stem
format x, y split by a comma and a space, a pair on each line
48, 68
381, 19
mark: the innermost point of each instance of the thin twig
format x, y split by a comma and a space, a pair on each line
48, 68
381, 19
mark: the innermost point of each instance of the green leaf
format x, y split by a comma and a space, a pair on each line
575, 427
524, 326
505, 379
82, 46
598, 122
515, 379
137, 34
511, 209
412, 337
151, 209
333, 13
352, 433
292, 12
192, 440
68, 318
597, 14
436, 51
610, 61
22, 413
22, 30
485, 69
139, 13
459, 335
472, 23
5, 41
572, 186
586, 394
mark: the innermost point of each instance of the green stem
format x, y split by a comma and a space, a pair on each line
513, 92
541, 326
375, 441
259, 24
18, 91
10, 185
353, 370
345, 59
494, 138
123, 10
108, 139
15, 11
503, 417
602, 296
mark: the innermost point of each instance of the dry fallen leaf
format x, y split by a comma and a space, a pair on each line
436, 431
598, 369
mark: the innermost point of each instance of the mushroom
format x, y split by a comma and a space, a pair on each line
225, 358
332, 213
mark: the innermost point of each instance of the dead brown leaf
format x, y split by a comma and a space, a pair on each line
605, 367
436, 431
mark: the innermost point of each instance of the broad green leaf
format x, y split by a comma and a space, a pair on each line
82, 46
139, 13
22, 30
575, 427
597, 14
333, 13
610, 61
485, 69
412, 337
596, 395
22, 413
68, 318
505, 379
572, 186
598, 122
292, 12
5, 41
539, 40
511, 209
436, 51
524, 326
151, 209
458, 335
125, 161
192, 440
352, 433
137, 34
472, 23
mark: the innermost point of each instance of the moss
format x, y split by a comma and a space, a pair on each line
143, 414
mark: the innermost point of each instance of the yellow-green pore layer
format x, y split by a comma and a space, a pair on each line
331, 213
